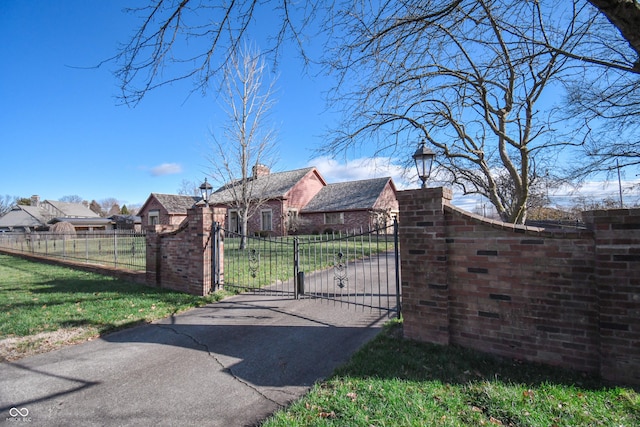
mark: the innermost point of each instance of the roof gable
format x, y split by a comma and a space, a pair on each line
22, 216
69, 210
174, 203
350, 195
271, 186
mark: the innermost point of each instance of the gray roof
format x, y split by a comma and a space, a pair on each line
70, 210
38, 216
271, 186
176, 203
345, 196
23, 216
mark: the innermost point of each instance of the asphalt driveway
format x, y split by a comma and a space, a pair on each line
227, 364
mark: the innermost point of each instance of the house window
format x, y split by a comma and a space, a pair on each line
334, 218
267, 220
234, 221
154, 217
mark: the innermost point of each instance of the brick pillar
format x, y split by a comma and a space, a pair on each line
617, 239
199, 240
423, 254
152, 256
154, 253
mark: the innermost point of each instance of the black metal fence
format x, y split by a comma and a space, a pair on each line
358, 268
113, 248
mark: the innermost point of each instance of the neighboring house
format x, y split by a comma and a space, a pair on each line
168, 209
285, 194
351, 205
41, 214
23, 218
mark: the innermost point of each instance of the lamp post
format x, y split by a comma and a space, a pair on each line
424, 160
206, 189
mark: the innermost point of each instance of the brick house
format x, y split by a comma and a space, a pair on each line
293, 202
351, 205
284, 195
168, 209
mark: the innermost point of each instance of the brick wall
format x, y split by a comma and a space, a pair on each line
567, 298
617, 272
179, 257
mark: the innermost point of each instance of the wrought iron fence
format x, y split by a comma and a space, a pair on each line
113, 248
358, 268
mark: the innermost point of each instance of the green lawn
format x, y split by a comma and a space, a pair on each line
38, 298
396, 382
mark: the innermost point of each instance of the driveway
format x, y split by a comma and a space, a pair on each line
226, 364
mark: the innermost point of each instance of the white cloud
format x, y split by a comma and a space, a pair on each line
359, 169
166, 169
405, 178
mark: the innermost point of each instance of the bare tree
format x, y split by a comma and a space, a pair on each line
6, 203
71, 199
470, 81
189, 188
214, 33
605, 94
625, 16
246, 141
109, 206
470, 76
95, 207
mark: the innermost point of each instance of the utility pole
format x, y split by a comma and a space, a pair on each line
619, 183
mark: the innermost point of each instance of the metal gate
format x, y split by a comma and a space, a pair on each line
358, 269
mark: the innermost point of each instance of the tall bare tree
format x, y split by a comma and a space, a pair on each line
247, 140
470, 76
470, 80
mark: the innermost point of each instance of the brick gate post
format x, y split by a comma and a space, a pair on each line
201, 219
198, 248
423, 255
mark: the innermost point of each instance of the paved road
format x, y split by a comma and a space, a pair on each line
227, 364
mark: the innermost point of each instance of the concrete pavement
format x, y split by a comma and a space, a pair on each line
227, 364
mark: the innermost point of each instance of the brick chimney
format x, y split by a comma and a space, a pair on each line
35, 200
260, 170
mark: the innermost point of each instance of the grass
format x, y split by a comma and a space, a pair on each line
37, 299
396, 382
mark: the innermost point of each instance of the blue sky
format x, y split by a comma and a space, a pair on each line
63, 133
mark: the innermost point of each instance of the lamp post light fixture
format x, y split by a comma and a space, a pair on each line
424, 160
206, 189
